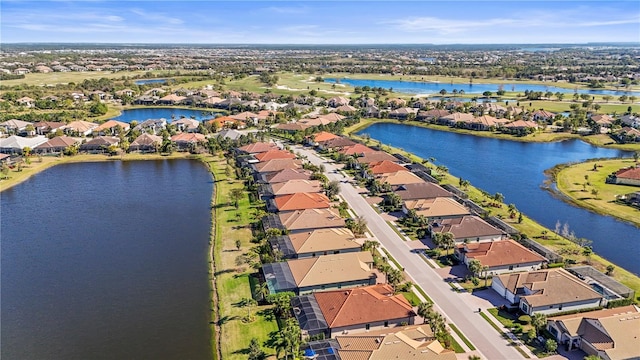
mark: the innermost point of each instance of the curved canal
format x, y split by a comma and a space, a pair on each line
515, 169
107, 260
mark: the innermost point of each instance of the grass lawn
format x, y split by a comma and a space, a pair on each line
411, 298
572, 183
233, 282
68, 77
464, 339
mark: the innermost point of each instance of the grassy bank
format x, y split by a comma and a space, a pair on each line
40, 164
578, 182
528, 226
540, 136
233, 282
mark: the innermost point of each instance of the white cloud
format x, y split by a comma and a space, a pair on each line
157, 17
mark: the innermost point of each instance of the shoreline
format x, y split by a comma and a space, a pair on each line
51, 161
532, 228
366, 122
558, 187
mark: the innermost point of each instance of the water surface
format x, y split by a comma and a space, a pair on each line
515, 169
142, 114
107, 261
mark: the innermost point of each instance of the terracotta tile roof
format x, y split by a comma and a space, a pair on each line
293, 126
323, 136
629, 173
277, 165
436, 207
58, 142
338, 142
421, 190
311, 219
362, 305
223, 121
331, 269
274, 154
247, 115
386, 167
465, 227
81, 126
619, 335
412, 342
550, 287
111, 124
521, 124
301, 201
258, 147
356, 150
400, 178
501, 253
147, 140
296, 186
320, 240
458, 117
376, 156
572, 322
173, 98
288, 174
188, 137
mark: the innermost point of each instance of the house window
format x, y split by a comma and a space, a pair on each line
510, 267
367, 327
560, 307
386, 324
525, 308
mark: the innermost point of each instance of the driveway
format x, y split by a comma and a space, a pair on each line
457, 308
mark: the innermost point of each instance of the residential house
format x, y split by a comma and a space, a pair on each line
99, 144
247, 117
455, 119
56, 145
224, 122
346, 109
542, 115
631, 120
485, 123
607, 333
627, 176
258, 147
400, 178
111, 127
385, 167
298, 201
17, 127
230, 134
186, 125
152, 126
521, 125
402, 113
547, 291
304, 220
420, 190
46, 127
276, 165
376, 157
627, 134
603, 120
351, 311
325, 272
125, 92
185, 141
357, 150
336, 144
80, 128
314, 242
285, 175
15, 144
274, 154
146, 143
396, 103
436, 208
26, 102
467, 228
415, 342
171, 99
322, 136
338, 101
432, 115
295, 186
500, 257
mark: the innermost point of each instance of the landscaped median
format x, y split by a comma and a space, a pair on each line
233, 281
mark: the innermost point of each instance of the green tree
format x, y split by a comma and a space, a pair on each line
332, 189
255, 352
394, 277
498, 197
551, 346
248, 303
236, 194
424, 309
539, 322
98, 108
448, 241
610, 269
475, 267
587, 251
238, 244
358, 226
370, 245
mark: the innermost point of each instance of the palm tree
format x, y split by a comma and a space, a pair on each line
485, 269
370, 245
498, 197
424, 309
262, 291
539, 321
394, 277
475, 266
587, 251
248, 303
448, 241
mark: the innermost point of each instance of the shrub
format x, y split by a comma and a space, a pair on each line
524, 319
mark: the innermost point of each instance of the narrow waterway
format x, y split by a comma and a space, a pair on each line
515, 169
107, 261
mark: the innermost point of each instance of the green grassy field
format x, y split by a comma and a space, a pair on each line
572, 183
53, 78
233, 282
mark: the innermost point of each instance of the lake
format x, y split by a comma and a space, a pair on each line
415, 87
107, 260
515, 169
143, 114
150, 81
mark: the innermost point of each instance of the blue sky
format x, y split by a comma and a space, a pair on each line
320, 22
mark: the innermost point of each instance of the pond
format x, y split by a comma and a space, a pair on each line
150, 81
142, 114
415, 87
107, 260
515, 169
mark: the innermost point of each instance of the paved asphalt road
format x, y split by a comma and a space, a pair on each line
484, 337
